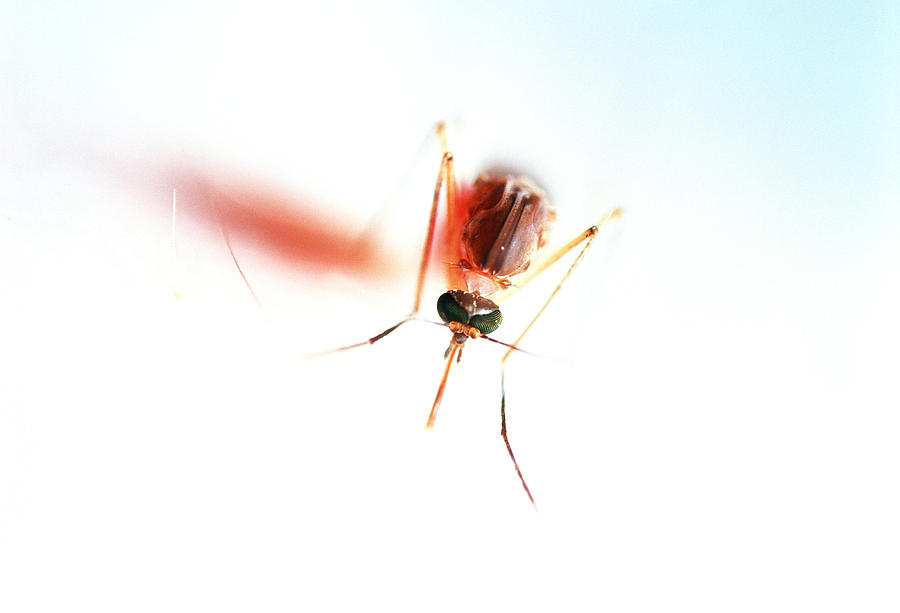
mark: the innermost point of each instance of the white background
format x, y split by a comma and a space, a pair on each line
712, 424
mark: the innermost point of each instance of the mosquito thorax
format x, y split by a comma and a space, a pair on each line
471, 310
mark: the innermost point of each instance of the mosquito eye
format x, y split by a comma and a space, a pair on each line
449, 310
488, 322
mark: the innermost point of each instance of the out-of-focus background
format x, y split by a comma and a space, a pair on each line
711, 421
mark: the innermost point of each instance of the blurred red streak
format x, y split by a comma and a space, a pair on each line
294, 231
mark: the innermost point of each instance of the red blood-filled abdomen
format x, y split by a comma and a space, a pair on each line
506, 218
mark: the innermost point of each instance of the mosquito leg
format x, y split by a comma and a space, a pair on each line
445, 174
370, 341
586, 237
505, 437
453, 216
534, 271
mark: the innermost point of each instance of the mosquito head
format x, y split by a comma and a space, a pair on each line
468, 315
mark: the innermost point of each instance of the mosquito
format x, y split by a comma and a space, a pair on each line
493, 242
